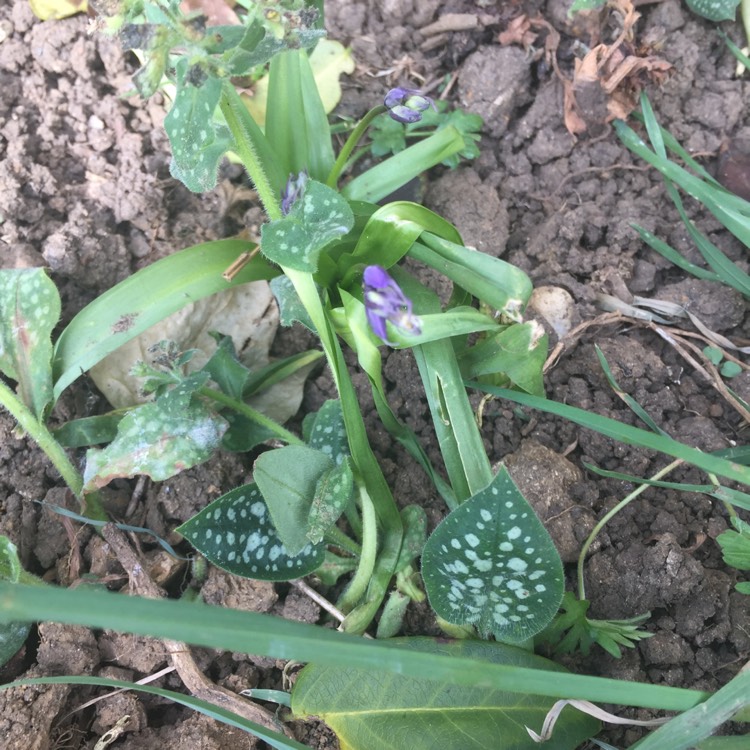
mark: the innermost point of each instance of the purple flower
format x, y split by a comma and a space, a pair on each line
295, 188
384, 301
406, 105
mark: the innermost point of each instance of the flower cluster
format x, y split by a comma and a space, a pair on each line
384, 301
406, 105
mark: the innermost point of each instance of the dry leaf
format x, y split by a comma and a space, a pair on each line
217, 12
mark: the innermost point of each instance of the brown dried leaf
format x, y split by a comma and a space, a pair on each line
519, 32
217, 12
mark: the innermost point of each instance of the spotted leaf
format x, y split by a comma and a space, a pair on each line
159, 439
327, 432
316, 219
198, 142
29, 310
236, 534
333, 492
715, 10
491, 564
12, 634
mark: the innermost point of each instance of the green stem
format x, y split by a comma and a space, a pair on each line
253, 414
359, 583
43, 438
234, 110
351, 142
338, 538
611, 514
745, 15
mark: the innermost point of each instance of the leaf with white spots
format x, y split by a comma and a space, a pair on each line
198, 142
492, 564
291, 309
159, 439
12, 634
288, 478
29, 310
316, 219
235, 533
714, 10
333, 493
327, 432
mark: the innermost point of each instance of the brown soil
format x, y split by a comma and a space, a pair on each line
85, 190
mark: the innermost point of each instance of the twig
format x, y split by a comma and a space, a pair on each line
193, 679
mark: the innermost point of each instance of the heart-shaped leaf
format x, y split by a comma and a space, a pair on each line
371, 710
235, 533
288, 478
492, 564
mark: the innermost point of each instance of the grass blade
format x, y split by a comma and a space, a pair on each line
249, 632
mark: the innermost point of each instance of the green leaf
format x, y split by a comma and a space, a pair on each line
333, 493
12, 634
713, 354
29, 310
388, 176
714, 10
491, 564
159, 439
291, 309
145, 298
235, 533
288, 478
579, 5
326, 432
571, 630
80, 433
371, 711
518, 353
198, 142
730, 369
253, 633
315, 220
743, 588
388, 136
735, 545
415, 535
296, 120
225, 368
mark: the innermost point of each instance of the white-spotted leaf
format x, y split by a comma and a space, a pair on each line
12, 634
235, 533
316, 219
492, 564
291, 309
159, 439
288, 478
327, 433
29, 310
714, 10
197, 141
333, 492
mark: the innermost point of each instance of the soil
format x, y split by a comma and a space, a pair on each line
85, 190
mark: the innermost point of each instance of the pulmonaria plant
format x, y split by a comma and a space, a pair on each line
385, 301
407, 105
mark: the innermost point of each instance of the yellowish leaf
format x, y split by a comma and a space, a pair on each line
329, 61
52, 10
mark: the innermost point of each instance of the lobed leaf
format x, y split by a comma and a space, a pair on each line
371, 711
235, 533
29, 310
491, 564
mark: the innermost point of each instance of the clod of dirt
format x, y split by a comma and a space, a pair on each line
28, 713
641, 578
196, 732
136, 652
716, 305
66, 649
545, 478
227, 590
494, 83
